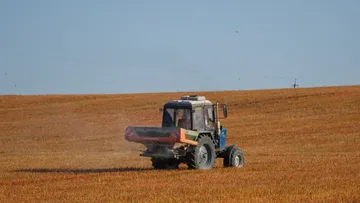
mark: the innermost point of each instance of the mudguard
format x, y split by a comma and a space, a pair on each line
227, 151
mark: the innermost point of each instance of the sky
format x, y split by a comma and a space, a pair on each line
136, 46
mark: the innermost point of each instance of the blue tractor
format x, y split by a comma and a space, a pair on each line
190, 133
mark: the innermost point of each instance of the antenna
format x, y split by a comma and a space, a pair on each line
295, 85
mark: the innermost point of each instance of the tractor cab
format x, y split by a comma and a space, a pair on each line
190, 112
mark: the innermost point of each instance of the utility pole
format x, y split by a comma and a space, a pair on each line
295, 85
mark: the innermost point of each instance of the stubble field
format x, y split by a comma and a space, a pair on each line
300, 145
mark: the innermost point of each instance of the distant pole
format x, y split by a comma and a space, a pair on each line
295, 85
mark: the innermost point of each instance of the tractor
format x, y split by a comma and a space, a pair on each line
190, 133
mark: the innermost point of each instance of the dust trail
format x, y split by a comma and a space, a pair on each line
81, 170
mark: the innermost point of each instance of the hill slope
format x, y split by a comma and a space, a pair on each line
299, 145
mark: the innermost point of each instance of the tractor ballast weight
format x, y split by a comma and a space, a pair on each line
190, 133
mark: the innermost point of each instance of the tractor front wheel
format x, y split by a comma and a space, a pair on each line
234, 158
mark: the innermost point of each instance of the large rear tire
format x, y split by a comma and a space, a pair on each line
203, 155
234, 157
159, 163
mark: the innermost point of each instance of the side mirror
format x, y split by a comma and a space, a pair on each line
225, 110
161, 109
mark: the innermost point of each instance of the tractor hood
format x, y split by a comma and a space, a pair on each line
169, 135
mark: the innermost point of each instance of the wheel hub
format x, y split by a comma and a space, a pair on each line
203, 154
237, 161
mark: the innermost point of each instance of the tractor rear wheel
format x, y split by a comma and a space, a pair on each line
159, 163
234, 158
203, 155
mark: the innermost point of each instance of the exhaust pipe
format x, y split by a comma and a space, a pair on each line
217, 119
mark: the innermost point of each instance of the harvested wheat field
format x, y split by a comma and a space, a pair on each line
300, 145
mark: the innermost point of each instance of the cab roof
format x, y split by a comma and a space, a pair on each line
189, 101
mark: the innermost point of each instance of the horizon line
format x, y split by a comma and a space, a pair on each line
174, 92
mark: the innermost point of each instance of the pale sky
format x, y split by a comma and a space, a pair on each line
114, 46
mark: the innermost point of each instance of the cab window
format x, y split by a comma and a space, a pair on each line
199, 123
177, 118
208, 117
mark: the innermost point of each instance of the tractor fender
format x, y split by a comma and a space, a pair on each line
227, 150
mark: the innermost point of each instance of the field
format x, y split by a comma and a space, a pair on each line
300, 145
